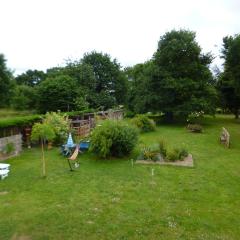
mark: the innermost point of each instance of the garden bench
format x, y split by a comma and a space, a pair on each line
225, 137
4, 170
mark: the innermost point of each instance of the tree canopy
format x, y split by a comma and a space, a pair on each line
181, 82
229, 80
6, 83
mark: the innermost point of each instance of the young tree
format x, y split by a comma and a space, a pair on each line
42, 132
181, 81
229, 80
6, 83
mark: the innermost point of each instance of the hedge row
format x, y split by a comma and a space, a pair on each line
19, 121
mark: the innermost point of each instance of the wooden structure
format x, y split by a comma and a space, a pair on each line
83, 124
225, 137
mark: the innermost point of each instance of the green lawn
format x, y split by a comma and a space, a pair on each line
113, 200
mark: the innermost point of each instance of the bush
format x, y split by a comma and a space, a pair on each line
113, 138
144, 123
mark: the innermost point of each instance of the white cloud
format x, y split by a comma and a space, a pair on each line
39, 34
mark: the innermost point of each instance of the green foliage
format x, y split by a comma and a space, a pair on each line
60, 125
138, 91
19, 121
113, 138
176, 154
173, 155
144, 123
181, 82
30, 78
229, 81
42, 131
110, 81
24, 97
6, 83
57, 93
81, 104
148, 153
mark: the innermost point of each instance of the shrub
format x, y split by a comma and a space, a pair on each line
197, 128
113, 138
144, 123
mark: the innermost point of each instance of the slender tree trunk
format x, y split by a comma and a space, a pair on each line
43, 161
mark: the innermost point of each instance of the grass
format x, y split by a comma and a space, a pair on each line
113, 200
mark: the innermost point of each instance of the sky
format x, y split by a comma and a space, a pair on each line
40, 34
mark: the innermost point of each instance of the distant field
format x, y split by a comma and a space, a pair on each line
6, 113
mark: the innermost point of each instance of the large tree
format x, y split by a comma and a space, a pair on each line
181, 82
111, 83
30, 78
138, 79
229, 80
57, 93
6, 82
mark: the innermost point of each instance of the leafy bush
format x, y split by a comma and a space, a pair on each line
197, 128
60, 125
113, 138
144, 123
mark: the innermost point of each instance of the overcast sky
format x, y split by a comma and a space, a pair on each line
40, 34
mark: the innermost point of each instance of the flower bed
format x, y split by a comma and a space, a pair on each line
186, 162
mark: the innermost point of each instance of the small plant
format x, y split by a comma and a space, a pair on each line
9, 148
177, 154
183, 153
144, 123
197, 128
173, 155
162, 148
113, 138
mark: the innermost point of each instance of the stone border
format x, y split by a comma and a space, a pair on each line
186, 162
